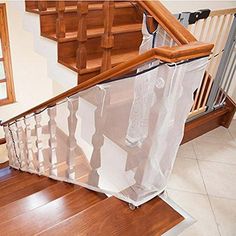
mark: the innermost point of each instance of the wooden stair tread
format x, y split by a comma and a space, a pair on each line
3, 165
34, 200
7, 173
113, 217
41, 218
96, 32
22, 188
95, 63
73, 8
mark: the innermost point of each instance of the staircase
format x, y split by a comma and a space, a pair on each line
92, 37
37, 205
78, 28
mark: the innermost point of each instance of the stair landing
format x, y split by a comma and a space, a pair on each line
36, 205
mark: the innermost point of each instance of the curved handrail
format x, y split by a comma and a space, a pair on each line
166, 54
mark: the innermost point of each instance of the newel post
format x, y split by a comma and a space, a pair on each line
60, 24
81, 53
107, 38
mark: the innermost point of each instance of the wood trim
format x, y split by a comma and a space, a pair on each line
170, 24
167, 54
223, 12
220, 117
2, 141
6, 56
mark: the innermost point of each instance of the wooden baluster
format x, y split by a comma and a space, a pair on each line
72, 122
60, 24
81, 53
21, 145
39, 143
9, 144
29, 146
42, 5
103, 99
52, 111
107, 38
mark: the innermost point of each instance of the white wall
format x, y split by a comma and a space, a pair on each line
32, 85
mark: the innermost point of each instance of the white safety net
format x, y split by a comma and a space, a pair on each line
119, 138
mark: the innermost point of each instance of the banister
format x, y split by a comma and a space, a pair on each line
168, 22
166, 54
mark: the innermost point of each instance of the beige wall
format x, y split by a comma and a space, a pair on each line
32, 84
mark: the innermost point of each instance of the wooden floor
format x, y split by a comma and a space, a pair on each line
36, 205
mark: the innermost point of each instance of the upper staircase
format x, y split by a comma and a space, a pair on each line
78, 28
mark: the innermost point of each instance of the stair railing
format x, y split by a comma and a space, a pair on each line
49, 133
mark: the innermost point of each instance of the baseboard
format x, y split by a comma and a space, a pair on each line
2, 141
220, 117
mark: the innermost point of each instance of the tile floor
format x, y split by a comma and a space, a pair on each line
203, 183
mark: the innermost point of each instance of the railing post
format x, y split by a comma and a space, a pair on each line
72, 122
103, 99
60, 24
81, 53
21, 144
29, 152
39, 142
9, 145
52, 111
107, 38
42, 5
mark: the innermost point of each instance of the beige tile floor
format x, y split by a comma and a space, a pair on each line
203, 183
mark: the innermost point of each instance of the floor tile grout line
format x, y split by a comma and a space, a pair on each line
219, 162
208, 197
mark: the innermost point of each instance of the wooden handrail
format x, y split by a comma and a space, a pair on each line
168, 22
166, 54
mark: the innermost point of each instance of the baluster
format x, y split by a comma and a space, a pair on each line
42, 5
29, 146
103, 99
39, 143
107, 38
21, 145
72, 122
81, 53
52, 111
9, 144
60, 24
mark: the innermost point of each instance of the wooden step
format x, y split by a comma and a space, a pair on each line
124, 13
7, 173
96, 32
44, 217
19, 187
113, 217
35, 200
94, 64
71, 6
3, 165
